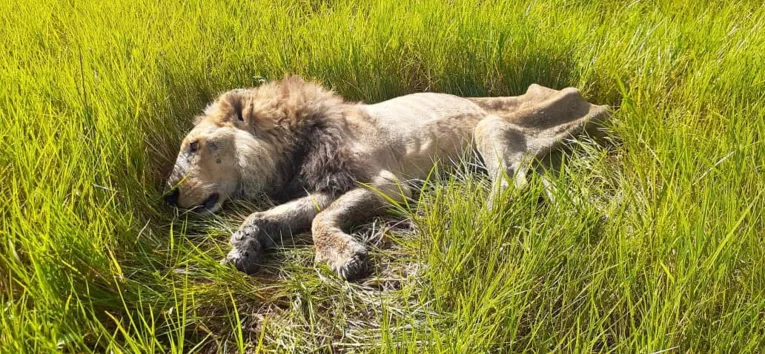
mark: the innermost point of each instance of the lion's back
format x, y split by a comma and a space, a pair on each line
420, 128
419, 109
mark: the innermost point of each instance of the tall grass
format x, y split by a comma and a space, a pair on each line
654, 241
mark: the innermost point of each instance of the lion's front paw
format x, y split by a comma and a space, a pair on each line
246, 253
354, 268
350, 263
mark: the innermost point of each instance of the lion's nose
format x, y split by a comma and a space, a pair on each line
172, 197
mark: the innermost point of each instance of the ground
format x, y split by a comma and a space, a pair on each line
654, 243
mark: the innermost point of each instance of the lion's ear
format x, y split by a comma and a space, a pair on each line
232, 103
257, 116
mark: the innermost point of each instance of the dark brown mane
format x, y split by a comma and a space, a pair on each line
318, 158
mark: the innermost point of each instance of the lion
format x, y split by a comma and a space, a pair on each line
332, 162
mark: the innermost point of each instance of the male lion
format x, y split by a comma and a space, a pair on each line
294, 140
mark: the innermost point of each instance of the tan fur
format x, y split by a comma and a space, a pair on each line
291, 137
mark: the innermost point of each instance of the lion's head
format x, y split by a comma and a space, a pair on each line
247, 143
220, 159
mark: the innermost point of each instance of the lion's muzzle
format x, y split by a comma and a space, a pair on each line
210, 204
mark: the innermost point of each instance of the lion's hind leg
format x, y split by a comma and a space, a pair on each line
525, 128
503, 147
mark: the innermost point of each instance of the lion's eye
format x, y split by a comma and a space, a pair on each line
193, 147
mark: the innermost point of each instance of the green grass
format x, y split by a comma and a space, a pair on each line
655, 242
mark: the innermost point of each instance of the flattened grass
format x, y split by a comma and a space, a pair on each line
654, 242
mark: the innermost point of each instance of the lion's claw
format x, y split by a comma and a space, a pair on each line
354, 267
